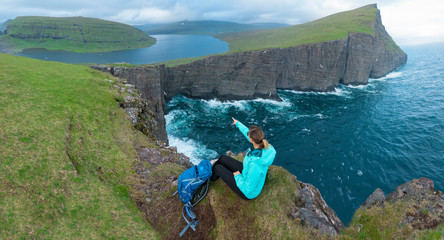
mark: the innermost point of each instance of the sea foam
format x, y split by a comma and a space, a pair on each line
194, 150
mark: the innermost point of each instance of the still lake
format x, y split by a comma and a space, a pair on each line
167, 47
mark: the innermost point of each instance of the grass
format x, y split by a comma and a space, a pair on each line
332, 27
75, 34
266, 217
387, 223
65, 155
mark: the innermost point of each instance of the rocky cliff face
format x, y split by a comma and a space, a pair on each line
147, 81
252, 74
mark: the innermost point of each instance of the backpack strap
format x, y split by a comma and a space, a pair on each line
193, 223
188, 209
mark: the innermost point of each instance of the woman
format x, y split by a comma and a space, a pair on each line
246, 179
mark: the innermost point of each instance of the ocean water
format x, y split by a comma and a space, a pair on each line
347, 143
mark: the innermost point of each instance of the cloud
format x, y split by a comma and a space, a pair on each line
414, 22
403, 19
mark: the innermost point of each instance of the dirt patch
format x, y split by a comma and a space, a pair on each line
166, 217
154, 183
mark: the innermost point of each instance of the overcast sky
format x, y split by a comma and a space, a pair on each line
407, 21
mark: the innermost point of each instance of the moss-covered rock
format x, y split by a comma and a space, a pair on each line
414, 210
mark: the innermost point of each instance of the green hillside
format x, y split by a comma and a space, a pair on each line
332, 27
206, 27
65, 155
76, 34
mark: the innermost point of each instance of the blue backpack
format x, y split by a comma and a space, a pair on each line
192, 187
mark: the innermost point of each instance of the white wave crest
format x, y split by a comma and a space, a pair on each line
214, 103
192, 149
338, 92
358, 86
388, 76
283, 103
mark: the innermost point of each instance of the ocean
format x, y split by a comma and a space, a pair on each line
346, 143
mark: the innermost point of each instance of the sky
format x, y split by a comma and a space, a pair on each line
407, 21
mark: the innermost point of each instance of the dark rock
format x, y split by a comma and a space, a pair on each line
314, 211
417, 189
424, 206
147, 81
376, 199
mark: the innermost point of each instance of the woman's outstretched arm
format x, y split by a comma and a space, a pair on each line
242, 128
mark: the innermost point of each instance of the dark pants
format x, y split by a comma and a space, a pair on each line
224, 168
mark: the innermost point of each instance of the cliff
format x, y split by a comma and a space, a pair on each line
320, 66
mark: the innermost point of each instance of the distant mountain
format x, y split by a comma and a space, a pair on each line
76, 34
205, 27
3, 26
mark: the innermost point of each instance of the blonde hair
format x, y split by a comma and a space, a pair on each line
257, 135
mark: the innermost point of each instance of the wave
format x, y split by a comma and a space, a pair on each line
339, 91
214, 103
192, 149
388, 76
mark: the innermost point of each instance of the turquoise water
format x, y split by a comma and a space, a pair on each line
346, 143
167, 47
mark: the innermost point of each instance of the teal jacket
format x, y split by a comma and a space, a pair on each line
252, 179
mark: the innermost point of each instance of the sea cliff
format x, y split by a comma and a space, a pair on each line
259, 74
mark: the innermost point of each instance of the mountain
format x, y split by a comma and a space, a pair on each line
3, 26
76, 34
206, 27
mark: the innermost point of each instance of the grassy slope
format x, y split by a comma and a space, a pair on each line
75, 34
332, 27
65, 155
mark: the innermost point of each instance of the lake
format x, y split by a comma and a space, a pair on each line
167, 47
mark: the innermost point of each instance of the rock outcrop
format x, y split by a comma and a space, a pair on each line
425, 205
312, 210
146, 114
147, 81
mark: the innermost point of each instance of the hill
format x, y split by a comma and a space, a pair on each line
336, 26
65, 155
76, 34
206, 27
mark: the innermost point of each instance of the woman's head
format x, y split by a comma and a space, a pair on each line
257, 136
